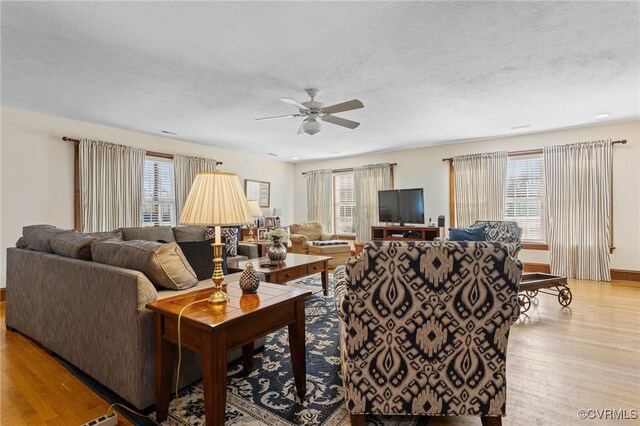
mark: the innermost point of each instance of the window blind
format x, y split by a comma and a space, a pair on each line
158, 196
525, 198
344, 203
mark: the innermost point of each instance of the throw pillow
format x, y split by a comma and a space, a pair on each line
188, 233
148, 233
164, 264
38, 237
72, 244
21, 243
466, 234
117, 234
230, 236
199, 254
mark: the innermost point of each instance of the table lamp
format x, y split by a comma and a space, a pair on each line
256, 212
216, 199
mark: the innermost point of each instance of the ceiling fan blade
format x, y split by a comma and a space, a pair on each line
341, 121
278, 116
293, 102
345, 106
301, 129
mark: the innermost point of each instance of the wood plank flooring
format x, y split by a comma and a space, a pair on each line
560, 360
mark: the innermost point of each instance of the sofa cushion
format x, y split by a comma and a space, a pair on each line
117, 234
466, 234
189, 233
164, 264
230, 236
72, 244
199, 254
38, 237
148, 233
312, 230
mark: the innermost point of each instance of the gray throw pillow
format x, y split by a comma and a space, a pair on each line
72, 244
38, 237
164, 264
148, 233
22, 243
117, 234
230, 236
188, 233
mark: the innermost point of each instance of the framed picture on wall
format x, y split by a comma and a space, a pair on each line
258, 190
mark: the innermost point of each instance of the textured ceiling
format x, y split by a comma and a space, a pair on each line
427, 72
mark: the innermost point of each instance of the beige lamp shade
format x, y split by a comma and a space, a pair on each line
255, 208
217, 199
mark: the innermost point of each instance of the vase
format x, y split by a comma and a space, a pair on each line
277, 252
249, 280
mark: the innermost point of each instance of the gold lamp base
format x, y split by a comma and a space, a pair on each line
218, 296
250, 240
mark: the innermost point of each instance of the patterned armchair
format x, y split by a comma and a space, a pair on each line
305, 233
504, 231
424, 328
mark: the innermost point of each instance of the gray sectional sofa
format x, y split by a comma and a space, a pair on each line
93, 314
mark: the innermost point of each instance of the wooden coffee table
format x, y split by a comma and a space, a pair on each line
294, 266
213, 329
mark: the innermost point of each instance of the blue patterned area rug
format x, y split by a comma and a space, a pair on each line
267, 395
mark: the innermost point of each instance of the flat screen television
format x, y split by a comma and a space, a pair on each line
401, 206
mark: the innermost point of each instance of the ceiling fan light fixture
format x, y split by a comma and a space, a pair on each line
311, 126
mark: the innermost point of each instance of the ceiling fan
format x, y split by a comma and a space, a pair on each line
315, 113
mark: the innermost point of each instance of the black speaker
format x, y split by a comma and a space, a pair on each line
441, 221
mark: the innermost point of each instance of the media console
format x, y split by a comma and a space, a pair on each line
406, 233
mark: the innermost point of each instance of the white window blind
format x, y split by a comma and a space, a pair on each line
524, 198
344, 206
158, 197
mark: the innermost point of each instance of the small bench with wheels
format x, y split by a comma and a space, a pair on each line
533, 283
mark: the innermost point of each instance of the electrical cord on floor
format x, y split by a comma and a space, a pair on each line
110, 411
178, 400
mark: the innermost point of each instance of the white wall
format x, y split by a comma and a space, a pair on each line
36, 170
423, 167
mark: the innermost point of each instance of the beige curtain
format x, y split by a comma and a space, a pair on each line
110, 185
319, 187
480, 181
368, 180
185, 170
578, 188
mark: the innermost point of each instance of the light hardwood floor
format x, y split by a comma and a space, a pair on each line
586, 356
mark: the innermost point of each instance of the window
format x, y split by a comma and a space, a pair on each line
344, 203
525, 197
158, 197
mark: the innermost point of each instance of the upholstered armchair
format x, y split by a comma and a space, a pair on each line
424, 328
303, 234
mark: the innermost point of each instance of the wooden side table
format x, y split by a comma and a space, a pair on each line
294, 266
213, 329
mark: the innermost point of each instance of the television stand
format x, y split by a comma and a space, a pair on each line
406, 233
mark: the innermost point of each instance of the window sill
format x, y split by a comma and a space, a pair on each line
545, 246
535, 246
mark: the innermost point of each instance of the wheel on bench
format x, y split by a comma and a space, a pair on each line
564, 296
524, 301
532, 293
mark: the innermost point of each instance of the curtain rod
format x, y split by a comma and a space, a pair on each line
537, 151
150, 153
350, 169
